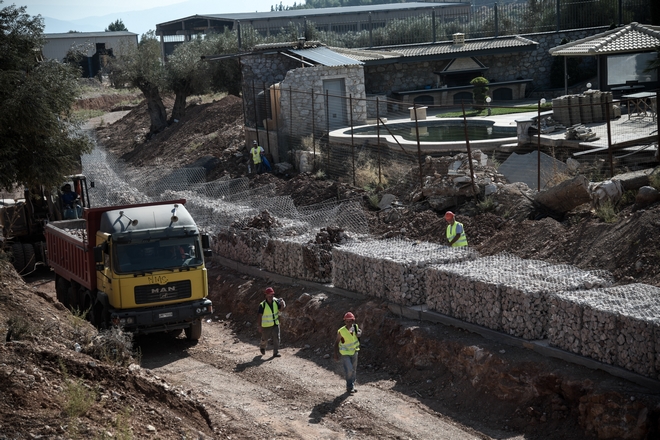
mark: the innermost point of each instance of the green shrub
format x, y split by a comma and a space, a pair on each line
480, 91
607, 212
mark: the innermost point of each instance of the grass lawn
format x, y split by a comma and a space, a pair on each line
494, 111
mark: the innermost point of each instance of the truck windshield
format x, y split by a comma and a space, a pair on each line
160, 254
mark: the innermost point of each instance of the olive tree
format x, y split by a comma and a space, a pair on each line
142, 67
39, 142
187, 74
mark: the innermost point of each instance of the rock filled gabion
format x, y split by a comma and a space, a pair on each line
245, 246
298, 259
615, 325
391, 269
504, 292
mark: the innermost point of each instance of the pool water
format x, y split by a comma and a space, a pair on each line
441, 131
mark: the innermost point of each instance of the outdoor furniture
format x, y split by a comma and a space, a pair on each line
421, 113
642, 104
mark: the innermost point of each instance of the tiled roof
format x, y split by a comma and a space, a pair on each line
634, 37
435, 49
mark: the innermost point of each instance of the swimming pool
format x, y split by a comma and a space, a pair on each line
434, 135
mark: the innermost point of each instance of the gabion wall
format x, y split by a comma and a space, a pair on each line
504, 292
617, 325
392, 269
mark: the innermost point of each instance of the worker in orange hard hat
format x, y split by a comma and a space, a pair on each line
455, 231
269, 321
347, 345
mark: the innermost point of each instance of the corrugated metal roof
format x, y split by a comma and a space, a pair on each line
325, 56
79, 35
293, 13
443, 48
633, 37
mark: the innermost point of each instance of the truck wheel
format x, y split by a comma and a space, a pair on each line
194, 332
29, 258
62, 287
18, 259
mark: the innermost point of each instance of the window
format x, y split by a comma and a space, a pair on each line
630, 67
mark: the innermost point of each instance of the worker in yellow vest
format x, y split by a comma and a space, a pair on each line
347, 346
269, 321
455, 231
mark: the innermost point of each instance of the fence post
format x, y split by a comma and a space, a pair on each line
469, 152
313, 128
327, 127
620, 12
266, 101
419, 149
558, 16
538, 145
433, 23
609, 137
238, 31
378, 136
350, 101
291, 116
371, 31
497, 24
256, 115
657, 119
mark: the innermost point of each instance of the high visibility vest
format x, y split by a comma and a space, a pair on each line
256, 154
451, 232
350, 343
271, 316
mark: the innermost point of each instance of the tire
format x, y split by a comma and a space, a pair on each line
40, 251
62, 288
18, 258
29, 257
194, 332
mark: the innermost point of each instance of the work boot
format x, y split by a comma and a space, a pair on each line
276, 354
262, 350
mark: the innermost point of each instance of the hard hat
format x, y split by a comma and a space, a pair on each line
449, 215
270, 290
254, 142
349, 315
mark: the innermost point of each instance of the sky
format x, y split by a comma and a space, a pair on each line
138, 16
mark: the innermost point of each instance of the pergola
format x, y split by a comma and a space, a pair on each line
634, 39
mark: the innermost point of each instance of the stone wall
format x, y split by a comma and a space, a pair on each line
535, 65
299, 108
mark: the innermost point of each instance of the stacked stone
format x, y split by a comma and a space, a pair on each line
284, 257
586, 115
615, 325
503, 292
560, 112
565, 323
391, 269
348, 269
243, 245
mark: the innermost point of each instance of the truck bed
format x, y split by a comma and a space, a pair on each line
70, 252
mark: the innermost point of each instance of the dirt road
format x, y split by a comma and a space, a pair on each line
297, 396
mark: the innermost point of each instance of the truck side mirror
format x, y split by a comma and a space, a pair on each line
206, 243
98, 254
208, 253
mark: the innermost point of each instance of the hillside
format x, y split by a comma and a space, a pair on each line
417, 380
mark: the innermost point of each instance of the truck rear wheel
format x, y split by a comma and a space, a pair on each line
29, 258
62, 287
18, 258
194, 332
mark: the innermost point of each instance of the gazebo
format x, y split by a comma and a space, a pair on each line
622, 55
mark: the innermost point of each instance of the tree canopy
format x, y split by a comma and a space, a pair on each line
116, 26
39, 143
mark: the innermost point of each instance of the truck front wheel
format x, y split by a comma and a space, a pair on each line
194, 332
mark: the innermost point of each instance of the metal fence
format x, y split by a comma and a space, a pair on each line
490, 20
388, 143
